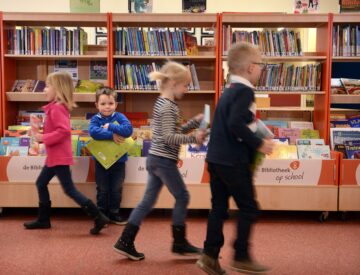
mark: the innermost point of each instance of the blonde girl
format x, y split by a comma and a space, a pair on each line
57, 139
161, 164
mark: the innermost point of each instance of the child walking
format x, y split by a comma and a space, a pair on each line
109, 125
57, 139
231, 151
161, 164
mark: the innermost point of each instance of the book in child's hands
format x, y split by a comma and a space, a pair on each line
107, 152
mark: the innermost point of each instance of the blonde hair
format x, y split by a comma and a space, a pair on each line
64, 88
170, 71
239, 56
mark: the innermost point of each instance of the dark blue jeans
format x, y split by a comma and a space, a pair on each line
226, 181
109, 184
64, 175
162, 171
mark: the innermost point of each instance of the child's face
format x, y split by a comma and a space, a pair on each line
106, 105
255, 67
50, 93
181, 88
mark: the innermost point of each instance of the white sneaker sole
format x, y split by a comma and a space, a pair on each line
131, 257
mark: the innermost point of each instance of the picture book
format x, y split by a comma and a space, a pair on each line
10, 141
301, 125
79, 124
107, 152
341, 148
18, 127
39, 87
98, 69
194, 6
262, 131
140, 6
74, 144
2, 149
340, 135
23, 86
16, 133
137, 148
337, 87
339, 124
82, 150
313, 151
274, 125
310, 142
352, 86
282, 151
354, 121
87, 86
284, 141
310, 134
191, 44
352, 149
17, 151
292, 133
206, 120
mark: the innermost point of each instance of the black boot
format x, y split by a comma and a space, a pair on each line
181, 245
125, 244
100, 220
43, 220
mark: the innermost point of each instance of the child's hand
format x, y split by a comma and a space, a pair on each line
267, 147
118, 139
38, 137
199, 117
106, 126
200, 136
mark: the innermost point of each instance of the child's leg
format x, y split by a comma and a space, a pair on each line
46, 174
102, 187
116, 179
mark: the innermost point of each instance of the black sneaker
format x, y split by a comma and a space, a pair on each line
117, 219
185, 249
128, 250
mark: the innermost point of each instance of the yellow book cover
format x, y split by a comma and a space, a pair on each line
309, 134
146, 42
282, 151
107, 152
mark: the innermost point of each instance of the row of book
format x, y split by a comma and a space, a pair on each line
346, 40
344, 121
270, 42
345, 86
46, 41
346, 141
289, 77
154, 42
135, 76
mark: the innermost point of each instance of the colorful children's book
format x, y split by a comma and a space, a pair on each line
282, 151
39, 87
17, 151
16, 133
284, 141
292, 133
82, 150
18, 127
107, 152
340, 135
79, 124
310, 142
354, 121
352, 149
74, 144
313, 151
309, 134
301, 124
23, 86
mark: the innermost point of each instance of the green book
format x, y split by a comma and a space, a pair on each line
107, 152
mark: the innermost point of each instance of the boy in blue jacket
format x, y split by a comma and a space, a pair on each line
103, 127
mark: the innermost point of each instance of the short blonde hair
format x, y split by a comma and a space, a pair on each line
170, 71
239, 56
64, 88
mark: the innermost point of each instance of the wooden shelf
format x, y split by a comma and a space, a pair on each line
40, 97
140, 92
165, 57
290, 92
270, 20
345, 99
289, 109
164, 20
54, 57
346, 58
55, 19
289, 58
346, 18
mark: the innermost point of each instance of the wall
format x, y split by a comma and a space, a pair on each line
166, 6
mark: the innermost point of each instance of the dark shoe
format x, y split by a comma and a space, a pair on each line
117, 219
181, 245
125, 244
249, 267
210, 265
100, 220
43, 220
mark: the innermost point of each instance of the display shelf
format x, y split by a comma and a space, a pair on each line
166, 57
290, 92
345, 99
346, 58
56, 57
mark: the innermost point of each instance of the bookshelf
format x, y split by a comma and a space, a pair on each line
38, 66
205, 61
346, 67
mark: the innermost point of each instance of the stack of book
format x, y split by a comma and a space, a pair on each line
154, 42
346, 40
289, 77
270, 42
135, 76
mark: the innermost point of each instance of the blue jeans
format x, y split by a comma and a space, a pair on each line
162, 171
109, 186
64, 175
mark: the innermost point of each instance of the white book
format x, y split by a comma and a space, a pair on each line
310, 142
301, 125
313, 151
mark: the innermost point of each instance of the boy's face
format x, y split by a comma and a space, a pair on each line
106, 105
255, 67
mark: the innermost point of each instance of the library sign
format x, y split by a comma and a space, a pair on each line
295, 172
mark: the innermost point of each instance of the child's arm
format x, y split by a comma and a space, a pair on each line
239, 115
98, 132
192, 124
61, 124
168, 121
124, 127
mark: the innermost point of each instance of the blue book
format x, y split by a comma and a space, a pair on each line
17, 150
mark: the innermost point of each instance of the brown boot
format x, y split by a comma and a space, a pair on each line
210, 265
249, 266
